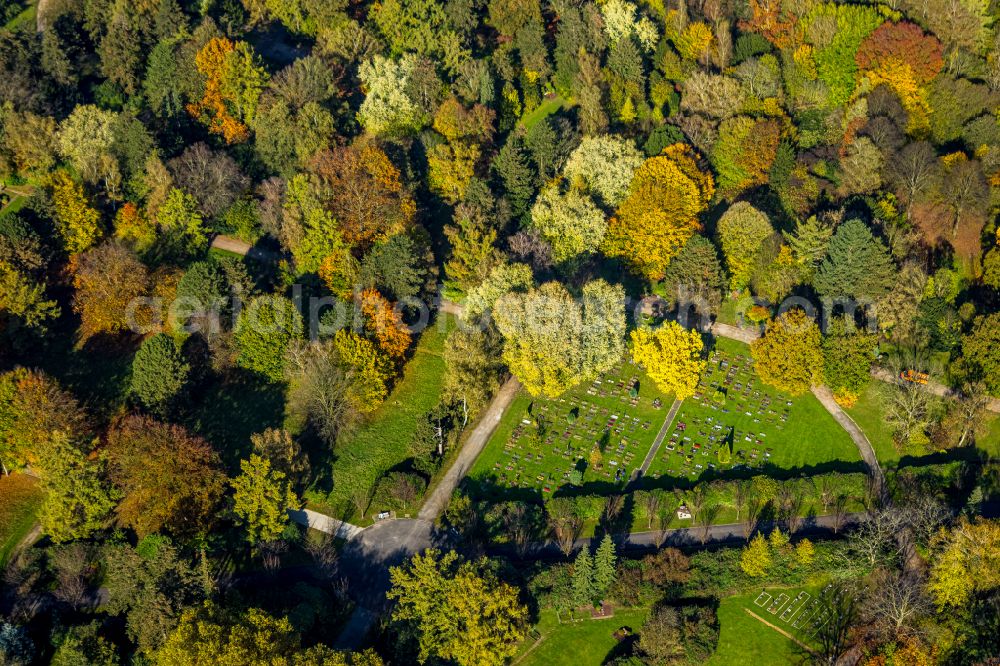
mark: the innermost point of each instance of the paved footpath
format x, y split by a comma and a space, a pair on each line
471, 449
370, 553
746, 335
937, 388
658, 441
325, 523
865, 448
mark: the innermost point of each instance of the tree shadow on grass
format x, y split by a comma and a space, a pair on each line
227, 410
767, 469
98, 372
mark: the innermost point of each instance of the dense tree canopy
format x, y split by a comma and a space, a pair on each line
660, 213
742, 231
857, 265
456, 610
170, 480
569, 222
262, 253
159, 372
671, 356
264, 331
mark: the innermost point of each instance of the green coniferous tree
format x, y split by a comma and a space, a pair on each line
583, 578
857, 265
604, 567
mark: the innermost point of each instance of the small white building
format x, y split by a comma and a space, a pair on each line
683, 513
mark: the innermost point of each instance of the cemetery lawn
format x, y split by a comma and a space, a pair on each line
744, 639
20, 498
585, 643
381, 443
522, 462
771, 431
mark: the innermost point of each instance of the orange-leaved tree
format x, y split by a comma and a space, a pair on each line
234, 79
384, 325
769, 18
108, 280
660, 213
906, 43
364, 192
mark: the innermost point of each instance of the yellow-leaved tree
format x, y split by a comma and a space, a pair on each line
77, 222
660, 213
969, 561
671, 356
371, 370
459, 611
553, 342
209, 634
755, 559
789, 355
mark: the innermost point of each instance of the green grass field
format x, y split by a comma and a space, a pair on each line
744, 639
20, 498
990, 441
24, 20
767, 428
584, 643
381, 443
525, 459
220, 253
867, 413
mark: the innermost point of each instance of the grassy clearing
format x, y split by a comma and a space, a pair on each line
228, 410
14, 205
867, 413
767, 429
220, 253
548, 106
745, 640
381, 444
584, 643
539, 442
20, 498
24, 20
990, 441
